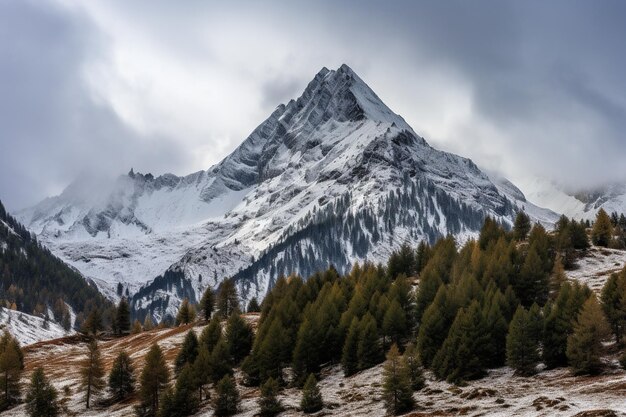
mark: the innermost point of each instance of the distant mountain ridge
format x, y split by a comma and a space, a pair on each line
332, 177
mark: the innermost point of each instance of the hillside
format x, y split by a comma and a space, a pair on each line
500, 393
34, 281
332, 177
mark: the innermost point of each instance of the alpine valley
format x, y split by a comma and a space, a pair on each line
333, 177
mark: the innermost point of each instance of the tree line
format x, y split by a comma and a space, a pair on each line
501, 299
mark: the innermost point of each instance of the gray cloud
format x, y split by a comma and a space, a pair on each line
526, 88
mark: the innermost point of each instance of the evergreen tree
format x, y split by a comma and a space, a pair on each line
422, 256
253, 306
182, 401
435, 324
557, 278
614, 304
202, 369
11, 364
221, 364
349, 358
93, 323
41, 399
268, 402
211, 334
92, 372
580, 240
461, 356
306, 355
186, 313
311, 401
122, 317
496, 326
602, 232
394, 323
584, 345
414, 367
369, 349
188, 351
226, 400
207, 303
136, 329
270, 357
558, 323
227, 298
154, 381
522, 350
397, 392
532, 284
122, 378
148, 324
522, 226
238, 337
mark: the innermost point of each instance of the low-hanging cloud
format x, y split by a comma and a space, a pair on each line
524, 88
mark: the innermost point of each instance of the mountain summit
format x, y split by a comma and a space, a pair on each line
332, 177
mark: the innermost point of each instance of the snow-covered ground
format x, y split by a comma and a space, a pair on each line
550, 393
29, 329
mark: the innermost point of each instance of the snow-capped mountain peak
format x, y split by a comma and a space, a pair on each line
333, 176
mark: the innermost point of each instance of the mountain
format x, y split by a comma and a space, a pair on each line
578, 204
333, 177
34, 281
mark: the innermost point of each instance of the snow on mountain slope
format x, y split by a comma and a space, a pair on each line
583, 204
30, 329
332, 177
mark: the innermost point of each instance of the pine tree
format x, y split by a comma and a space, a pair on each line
270, 359
522, 350
422, 256
182, 401
532, 283
239, 337
496, 326
211, 334
41, 399
186, 313
522, 226
207, 303
461, 356
226, 400
202, 369
558, 323
394, 323
92, 372
268, 402
306, 355
253, 306
122, 317
136, 329
557, 278
122, 378
11, 364
602, 232
435, 324
311, 401
148, 324
397, 392
227, 298
220, 361
154, 381
414, 367
93, 323
584, 345
349, 358
614, 304
369, 349
188, 351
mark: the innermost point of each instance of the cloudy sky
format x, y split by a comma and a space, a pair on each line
527, 88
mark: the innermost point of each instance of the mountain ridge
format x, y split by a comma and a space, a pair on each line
334, 162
